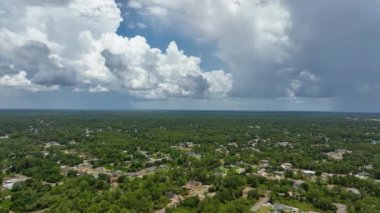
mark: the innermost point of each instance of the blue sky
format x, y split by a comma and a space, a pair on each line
190, 54
161, 38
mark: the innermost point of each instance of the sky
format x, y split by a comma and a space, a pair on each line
257, 55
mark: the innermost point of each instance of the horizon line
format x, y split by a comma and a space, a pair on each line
184, 110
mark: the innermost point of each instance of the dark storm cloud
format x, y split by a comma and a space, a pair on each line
334, 52
339, 42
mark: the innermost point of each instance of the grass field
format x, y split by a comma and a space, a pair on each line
264, 209
5, 204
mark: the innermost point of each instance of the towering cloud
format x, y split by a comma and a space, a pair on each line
252, 37
48, 45
285, 48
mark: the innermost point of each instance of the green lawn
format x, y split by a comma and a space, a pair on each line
264, 209
5, 204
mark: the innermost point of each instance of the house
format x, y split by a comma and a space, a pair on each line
174, 199
221, 173
190, 144
325, 176
284, 144
262, 173
233, 144
45, 153
133, 174
368, 167
294, 194
200, 192
52, 144
340, 207
113, 178
338, 154
187, 147
279, 175
222, 150
2, 137
277, 208
254, 141
362, 175
308, 172
353, 190
156, 161
86, 168
240, 170
298, 183
211, 194
144, 172
196, 189
264, 163
87, 132
237, 169
10, 182
194, 155
192, 184
145, 153
286, 166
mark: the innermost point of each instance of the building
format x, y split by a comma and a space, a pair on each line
174, 199
52, 144
2, 137
308, 172
286, 166
233, 144
284, 144
298, 183
194, 155
279, 208
192, 184
196, 189
362, 175
240, 170
10, 182
353, 190
338, 154
279, 175
264, 163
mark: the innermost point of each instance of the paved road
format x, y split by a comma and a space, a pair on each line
259, 203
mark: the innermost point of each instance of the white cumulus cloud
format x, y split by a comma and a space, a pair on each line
20, 81
73, 43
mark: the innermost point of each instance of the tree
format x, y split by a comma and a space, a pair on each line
253, 194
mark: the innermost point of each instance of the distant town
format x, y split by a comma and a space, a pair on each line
189, 162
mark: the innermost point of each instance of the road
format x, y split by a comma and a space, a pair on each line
259, 203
